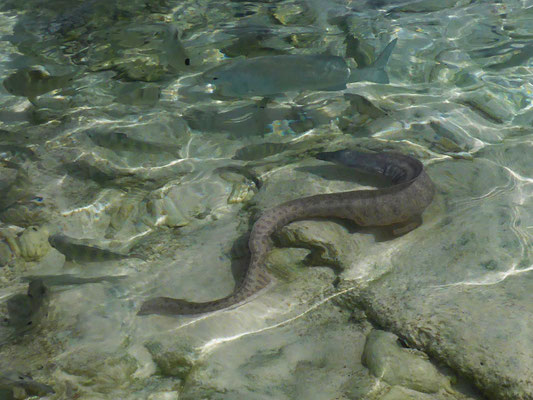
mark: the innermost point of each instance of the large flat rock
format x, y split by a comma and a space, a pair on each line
458, 287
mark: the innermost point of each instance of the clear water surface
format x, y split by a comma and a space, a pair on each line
113, 134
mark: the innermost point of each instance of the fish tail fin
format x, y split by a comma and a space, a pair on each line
376, 71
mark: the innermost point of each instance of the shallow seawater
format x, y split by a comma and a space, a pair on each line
122, 129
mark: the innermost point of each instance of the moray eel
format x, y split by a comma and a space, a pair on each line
399, 206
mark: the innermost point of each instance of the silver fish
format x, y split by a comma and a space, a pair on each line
119, 141
259, 151
82, 253
138, 95
174, 53
274, 75
34, 81
68, 279
243, 121
519, 57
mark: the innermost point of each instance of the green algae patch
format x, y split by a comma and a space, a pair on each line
172, 363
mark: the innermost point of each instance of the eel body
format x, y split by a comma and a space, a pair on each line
399, 205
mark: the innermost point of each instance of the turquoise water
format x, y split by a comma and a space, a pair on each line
123, 127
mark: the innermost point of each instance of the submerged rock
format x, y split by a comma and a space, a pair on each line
102, 370
15, 183
244, 184
401, 393
286, 264
12, 380
7, 177
294, 14
52, 261
491, 106
180, 204
28, 213
388, 360
170, 362
472, 314
241, 192
330, 243
33, 243
139, 95
6, 254
139, 68
164, 211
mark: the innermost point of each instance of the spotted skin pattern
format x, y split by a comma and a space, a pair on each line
399, 206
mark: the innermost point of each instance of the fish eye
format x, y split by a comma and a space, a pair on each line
29, 323
187, 61
215, 78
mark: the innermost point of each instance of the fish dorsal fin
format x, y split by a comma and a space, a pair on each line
376, 71
383, 58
